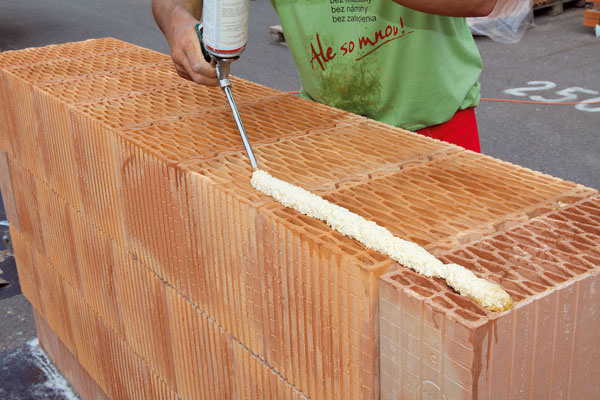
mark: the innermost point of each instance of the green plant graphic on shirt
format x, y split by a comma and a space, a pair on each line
355, 88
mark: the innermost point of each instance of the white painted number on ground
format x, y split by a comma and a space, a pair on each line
534, 87
568, 95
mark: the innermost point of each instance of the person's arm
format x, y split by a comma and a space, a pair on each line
176, 19
451, 8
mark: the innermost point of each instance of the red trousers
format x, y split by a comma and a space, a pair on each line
460, 130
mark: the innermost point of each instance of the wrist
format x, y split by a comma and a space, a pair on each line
180, 19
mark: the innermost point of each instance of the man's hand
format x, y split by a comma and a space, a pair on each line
187, 56
177, 19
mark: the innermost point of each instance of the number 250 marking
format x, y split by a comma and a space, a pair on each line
567, 95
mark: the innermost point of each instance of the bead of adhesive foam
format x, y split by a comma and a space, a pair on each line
378, 238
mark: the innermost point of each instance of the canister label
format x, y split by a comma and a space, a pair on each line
225, 26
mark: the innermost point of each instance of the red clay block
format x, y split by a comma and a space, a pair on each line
24, 139
142, 301
8, 194
591, 17
117, 370
26, 200
157, 179
54, 71
118, 83
66, 51
170, 103
96, 264
29, 277
5, 117
58, 155
55, 222
529, 351
66, 362
99, 181
213, 131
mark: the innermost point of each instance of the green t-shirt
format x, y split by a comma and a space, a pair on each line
382, 60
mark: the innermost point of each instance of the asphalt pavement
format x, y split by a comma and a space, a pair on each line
558, 60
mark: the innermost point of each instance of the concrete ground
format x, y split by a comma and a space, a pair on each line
557, 60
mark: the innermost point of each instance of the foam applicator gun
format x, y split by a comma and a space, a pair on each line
223, 37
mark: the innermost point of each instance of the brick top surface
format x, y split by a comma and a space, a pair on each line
528, 260
423, 190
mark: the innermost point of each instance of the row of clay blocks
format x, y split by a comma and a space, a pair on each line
156, 271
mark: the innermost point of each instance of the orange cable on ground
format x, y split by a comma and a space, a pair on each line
574, 103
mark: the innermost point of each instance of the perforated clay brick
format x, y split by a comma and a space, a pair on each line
120, 83
55, 52
95, 63
147, 183
207, 361
170, 103
214, 132
435, 343
454, 198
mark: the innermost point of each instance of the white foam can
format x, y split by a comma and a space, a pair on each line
225, 30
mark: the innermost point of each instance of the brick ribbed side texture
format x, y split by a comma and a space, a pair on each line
138, 231
435, 343
139, 364
66, 361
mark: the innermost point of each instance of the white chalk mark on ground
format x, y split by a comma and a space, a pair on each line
56, 383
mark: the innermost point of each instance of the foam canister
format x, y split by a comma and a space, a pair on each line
225, 27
